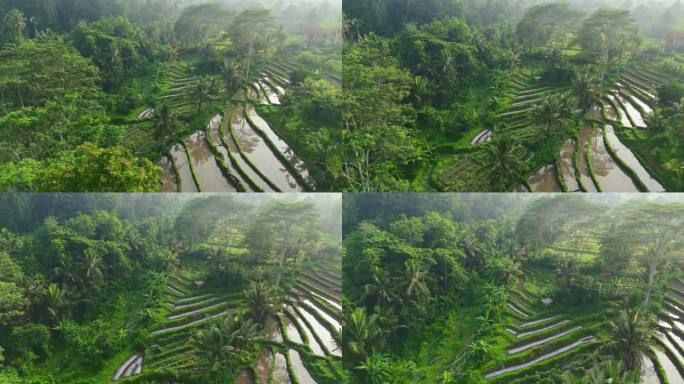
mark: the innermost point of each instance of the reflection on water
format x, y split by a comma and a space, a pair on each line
624, 120
245, 377
180, 159
648, 372
263, 365
632, 162
280, 375
313, 344
303, 376
324, 315
256, 149
545, 180
278, 142
168, 176
323, 334
208, 173
585, 177
292, 332
609, 175
566, 161
632, 111
670, 369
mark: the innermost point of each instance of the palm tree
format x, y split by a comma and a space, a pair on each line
226, 343
165, 122
656, 121
202, 91
416, 286
586, 90
360, 333
56, 303
379, 291
91, 269
503, 163
232, 76
262, 302
632, 336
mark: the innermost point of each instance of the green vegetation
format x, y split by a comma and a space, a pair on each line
126, 80
459, 95
495, 288
149, 288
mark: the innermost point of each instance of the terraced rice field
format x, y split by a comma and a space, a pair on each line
188, 308
237, 151
669, 349
539, 336
307, 334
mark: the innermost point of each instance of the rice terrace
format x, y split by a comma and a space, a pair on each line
154, 288
526, 96
169, 95
504, 288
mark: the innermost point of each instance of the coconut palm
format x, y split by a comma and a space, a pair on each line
225, 343
415, 276
360, 334
503, 163
232, 73
586, 90
632, 336
165, 122
202, 90
379, 291
261, 300
56, 303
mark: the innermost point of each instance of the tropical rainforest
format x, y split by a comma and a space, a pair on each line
541, 96
170, 288
513, 288
169, 95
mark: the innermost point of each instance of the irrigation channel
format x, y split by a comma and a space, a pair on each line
237, 150
302, 342
595, 160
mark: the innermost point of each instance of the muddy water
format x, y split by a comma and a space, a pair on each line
628, 158
634, 99
241, 163
168, 176
322, 332
624, 120
214, 135
325, 315
331, 302
280, 375
610, 111
180, 158
313, 344
282, 146
245, 377
303, 376
208, 173
670, 369
255, 148
648, 372
632, 111
567, 158
274, 330
279, 89
670, 347
256, 94
545, 180
263, 365
585, 177
292, 332
609, 175
270, 93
